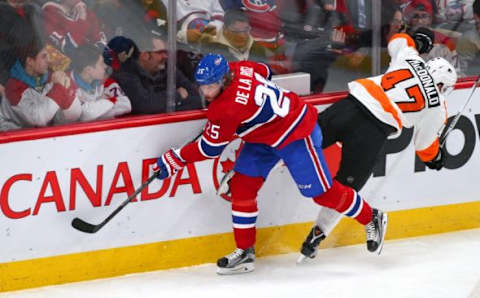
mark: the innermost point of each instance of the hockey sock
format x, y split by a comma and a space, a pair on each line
244, 208
244, 227
346, 201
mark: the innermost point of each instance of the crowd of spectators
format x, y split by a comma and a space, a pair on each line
66, 61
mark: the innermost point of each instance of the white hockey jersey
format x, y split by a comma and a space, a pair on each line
32, 102
104, 101
405, 96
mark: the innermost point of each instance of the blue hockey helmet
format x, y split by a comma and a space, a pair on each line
211, 69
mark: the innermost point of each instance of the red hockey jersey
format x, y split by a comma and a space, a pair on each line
254, 109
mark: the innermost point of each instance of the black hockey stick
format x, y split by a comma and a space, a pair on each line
86, 227
457, 117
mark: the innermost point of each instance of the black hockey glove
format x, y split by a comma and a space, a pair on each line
424, 39
438, 162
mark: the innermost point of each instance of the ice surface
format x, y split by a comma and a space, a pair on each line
444, 265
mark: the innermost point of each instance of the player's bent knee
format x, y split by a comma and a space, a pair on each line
355, 183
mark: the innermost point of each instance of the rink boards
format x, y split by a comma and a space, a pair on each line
49, 176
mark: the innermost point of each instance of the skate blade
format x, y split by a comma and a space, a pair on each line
242, 268
302, 259
384, 231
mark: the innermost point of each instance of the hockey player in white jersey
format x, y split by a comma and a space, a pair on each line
409, 94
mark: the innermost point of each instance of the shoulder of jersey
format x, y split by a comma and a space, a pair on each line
235, 65
222, 106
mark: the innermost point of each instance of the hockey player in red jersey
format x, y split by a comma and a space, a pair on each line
409, 94
275, 124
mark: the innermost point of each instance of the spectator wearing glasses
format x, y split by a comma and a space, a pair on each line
266, 29
143, 76
468, 46
235, 42
419, 13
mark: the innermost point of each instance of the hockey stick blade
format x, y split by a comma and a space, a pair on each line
84, 226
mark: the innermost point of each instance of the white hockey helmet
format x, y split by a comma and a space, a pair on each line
442, 72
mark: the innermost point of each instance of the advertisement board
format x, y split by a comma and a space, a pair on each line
46, 182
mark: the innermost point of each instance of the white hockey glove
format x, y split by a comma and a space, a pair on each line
224, 187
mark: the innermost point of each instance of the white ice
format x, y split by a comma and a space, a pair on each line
444, 265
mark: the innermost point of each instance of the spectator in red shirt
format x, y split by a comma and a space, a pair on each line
69, 24
420, 13
155, 10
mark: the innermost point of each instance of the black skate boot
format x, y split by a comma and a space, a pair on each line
376, 230
310, 245
239, 261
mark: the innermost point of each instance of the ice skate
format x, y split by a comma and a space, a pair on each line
239, 261
376, 230
310, 245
